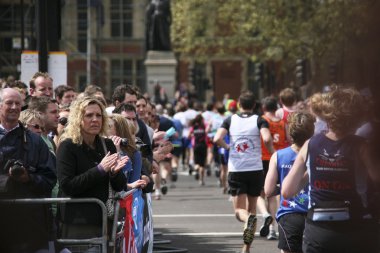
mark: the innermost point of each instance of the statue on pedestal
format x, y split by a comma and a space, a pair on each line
158, 21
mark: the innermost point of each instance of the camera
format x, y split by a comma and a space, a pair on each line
16, 167
124, 142
142, 147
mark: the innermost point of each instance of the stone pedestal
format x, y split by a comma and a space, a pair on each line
161, 67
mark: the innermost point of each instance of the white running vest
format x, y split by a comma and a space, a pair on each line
245, 145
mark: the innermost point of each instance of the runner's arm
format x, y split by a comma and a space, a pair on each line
298, 176
267, 139
219, 138
272, 177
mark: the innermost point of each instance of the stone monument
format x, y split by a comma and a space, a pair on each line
160, 62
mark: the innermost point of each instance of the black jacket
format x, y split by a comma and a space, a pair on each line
79, 177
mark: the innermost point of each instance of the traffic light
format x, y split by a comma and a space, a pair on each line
301, 71
259, 73
333, 72
191, 74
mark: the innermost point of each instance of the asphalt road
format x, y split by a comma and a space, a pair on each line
193, 218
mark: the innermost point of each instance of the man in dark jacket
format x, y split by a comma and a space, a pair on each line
24, 228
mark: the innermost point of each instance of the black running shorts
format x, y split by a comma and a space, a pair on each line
290, 230
247, 182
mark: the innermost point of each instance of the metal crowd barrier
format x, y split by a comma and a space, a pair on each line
104, 243
101, 242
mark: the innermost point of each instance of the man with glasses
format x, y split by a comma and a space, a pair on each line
26, 171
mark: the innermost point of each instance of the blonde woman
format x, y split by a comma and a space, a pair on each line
87, 164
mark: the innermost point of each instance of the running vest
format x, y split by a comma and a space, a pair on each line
299, 203
245, 146
199, 134
278, 132
334, 173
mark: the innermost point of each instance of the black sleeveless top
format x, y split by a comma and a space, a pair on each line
336, 173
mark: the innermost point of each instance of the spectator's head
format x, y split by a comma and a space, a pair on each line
49, 108
41, 84
124, 93
141, 107
154, 121
20, 87
33, 120
94, 90
64, 94
269, 104
62, 121
119, 126
288, 97
87, 118
342, 109
128, 111
247, 100
301, 127
10, 107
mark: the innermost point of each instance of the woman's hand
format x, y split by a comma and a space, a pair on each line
158, 136
120, 163
138, 184
109, 161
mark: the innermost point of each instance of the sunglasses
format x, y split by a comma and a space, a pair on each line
36, 126
62, 121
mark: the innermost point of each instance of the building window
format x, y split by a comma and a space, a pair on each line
121, 18
127, 71
82, 25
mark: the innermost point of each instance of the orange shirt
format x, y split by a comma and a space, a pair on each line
278, 132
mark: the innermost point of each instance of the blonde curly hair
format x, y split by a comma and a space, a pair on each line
342, 109
73, 130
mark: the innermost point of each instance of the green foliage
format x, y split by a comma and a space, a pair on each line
264, 29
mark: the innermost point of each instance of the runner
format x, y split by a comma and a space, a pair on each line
292, 212
333, 163
198, 139
245, 176
288, 101
278, 131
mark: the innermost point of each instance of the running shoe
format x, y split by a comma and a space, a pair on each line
164, 189
249, 229
208, 170
217, 172
196, 176
264, 229
272, 235
174, 176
